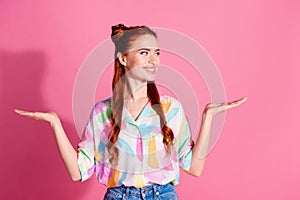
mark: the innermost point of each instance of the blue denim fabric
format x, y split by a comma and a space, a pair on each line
150, 192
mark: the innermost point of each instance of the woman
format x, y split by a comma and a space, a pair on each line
136, 140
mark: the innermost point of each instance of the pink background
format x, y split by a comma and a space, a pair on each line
255, 45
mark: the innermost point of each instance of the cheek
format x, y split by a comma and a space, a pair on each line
137, 62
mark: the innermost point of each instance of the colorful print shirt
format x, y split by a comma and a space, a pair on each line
142, 158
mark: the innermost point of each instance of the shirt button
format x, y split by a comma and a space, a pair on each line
157, 193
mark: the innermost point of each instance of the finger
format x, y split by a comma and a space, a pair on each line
242, 100
29, 114
235, 104
24, 113
231, 106
239, 100
19, 111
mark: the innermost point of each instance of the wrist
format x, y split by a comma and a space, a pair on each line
207, 114
54, 120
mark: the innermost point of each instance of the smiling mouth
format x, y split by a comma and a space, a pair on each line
150, 69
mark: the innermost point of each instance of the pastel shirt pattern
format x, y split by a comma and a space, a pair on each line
142, 156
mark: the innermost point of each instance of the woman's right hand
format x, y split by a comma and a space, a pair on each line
43, 116
67, 151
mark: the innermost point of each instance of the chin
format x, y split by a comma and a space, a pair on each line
151, 80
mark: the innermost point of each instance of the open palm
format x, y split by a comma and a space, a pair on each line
214, 108
43, 116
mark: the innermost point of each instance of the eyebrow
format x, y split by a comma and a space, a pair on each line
147, 49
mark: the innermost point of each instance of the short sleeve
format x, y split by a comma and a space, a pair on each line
184, 139
85, 149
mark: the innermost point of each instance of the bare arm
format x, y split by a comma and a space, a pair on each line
201, 146
67, 152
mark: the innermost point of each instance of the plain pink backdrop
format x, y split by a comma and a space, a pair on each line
255, 45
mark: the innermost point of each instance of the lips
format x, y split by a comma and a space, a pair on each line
150, 69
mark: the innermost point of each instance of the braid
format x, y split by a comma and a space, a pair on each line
168, 134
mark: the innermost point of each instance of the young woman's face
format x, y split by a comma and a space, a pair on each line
142, 59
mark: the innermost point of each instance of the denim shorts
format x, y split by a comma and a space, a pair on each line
149, 192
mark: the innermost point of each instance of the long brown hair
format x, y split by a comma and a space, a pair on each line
123, 37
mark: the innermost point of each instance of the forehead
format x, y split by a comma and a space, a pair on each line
144, 41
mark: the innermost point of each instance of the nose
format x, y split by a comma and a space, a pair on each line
154, 60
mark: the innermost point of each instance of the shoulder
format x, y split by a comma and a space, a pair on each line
102, 107
167, 99
169, 102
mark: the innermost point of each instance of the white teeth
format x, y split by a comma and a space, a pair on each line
150, 69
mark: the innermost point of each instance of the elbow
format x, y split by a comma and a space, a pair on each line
195, 173
76, 178
197, 167
75, 174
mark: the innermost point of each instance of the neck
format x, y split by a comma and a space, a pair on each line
135, 90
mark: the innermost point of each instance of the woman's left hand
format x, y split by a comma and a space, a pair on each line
214, 108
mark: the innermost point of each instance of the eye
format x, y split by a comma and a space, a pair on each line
157, 53
144, 52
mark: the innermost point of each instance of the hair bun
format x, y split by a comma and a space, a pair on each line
117, 31
119, 28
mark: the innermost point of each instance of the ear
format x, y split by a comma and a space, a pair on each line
122, 58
